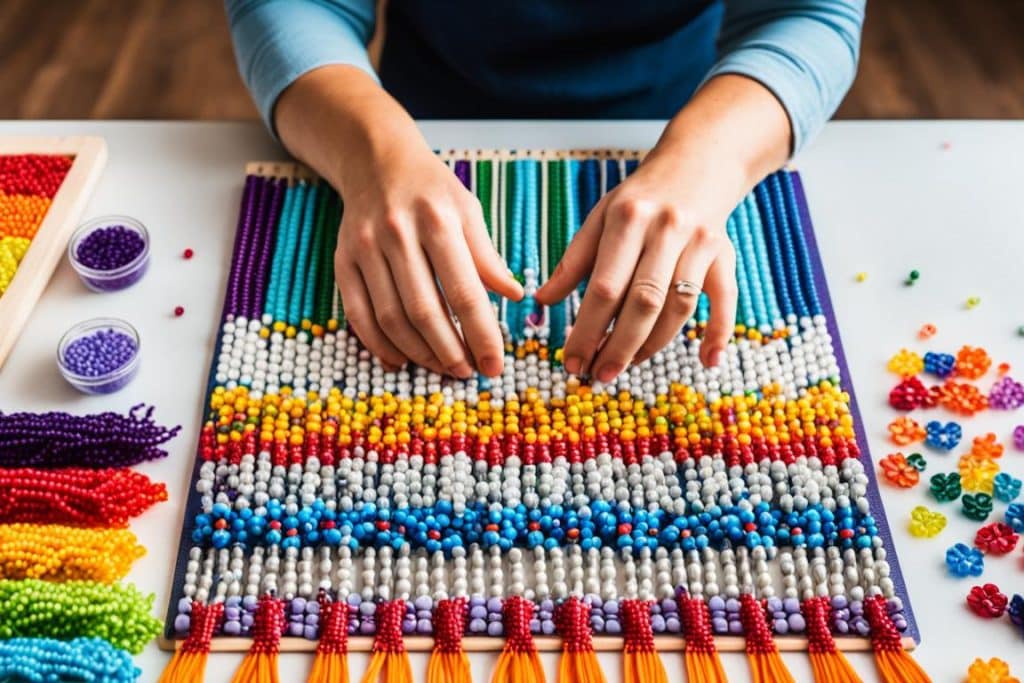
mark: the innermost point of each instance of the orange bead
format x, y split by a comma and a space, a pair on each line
904, 431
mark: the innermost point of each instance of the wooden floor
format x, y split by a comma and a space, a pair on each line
172, 59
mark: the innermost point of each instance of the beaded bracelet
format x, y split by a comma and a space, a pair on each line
60, 553
117, 613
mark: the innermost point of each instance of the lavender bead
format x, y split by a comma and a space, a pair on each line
658, 623
547, 627
494, 605
672, 624
780, 626
298, 605
185, 606
295, 629
669, 606
312, 619
735, 627
233, 601
423, 602
611, 607
354, 599
495, 629
797, 624
791, 605
99, 353
534, 625
247, 620
309, 632
182, 623
596, 622
367, 608
774, 605
367, 627
546, 605
716, 604
232, 614
424, 626
312, 607
408, 626
839, 602
719, 624
477, 626
478, 612
612, 627
232, 628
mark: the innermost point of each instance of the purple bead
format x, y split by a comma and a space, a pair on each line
476, 600
298, 605
672, 624
856, 608
424, 626
312, 607
494, 605
774, 605
841, 626
477, 626
295, 629
367, 627
796, 622
547, 627
478, 612
791, 605
780, 626
612, 627
309, 632
232, 628
181, 623
900, 622
669, 606
495, 629
1018, 437
233, 601
424, 614
312, 619
596, 621
719, 624
111, 258
861, 625
232, 614
595, 601
247, 620
408, 626
611, 607
423, 602
535, 625
185, 606
354, 599
658, 623
546, 605
716, 604
736, 627
732, 606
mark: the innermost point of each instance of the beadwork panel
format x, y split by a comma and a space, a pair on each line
319, 471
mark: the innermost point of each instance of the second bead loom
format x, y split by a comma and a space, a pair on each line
673, 508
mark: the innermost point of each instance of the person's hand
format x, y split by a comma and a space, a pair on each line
642, 238
412, 245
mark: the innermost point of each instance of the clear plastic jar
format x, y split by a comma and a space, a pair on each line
117, 275
99, 356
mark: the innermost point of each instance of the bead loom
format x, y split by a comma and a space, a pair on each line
45, 183
685, 487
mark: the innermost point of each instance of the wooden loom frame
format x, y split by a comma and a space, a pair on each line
51, 239
602, 643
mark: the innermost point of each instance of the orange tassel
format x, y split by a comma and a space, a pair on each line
188, 665
518, 661
828, 664
640, 660
895, 665
260, 664
579, 661
449, 663
389, 662
703, 665
766, 663
331, 662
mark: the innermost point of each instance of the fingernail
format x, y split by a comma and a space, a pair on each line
462, 370
607, 372
572, 365
715, 358
491, 366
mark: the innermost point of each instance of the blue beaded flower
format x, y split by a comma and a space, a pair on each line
940, 364
1015, 516
944, 437
963, 560
1016, 612
1005, 487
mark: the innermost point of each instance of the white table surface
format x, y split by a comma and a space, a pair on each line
885, 197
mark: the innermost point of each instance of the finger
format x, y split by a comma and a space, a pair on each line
617, 257
643, 303
721, 289
697, 257
359, 315
576, 262
467, 298
489, 264
424, 306
390, 314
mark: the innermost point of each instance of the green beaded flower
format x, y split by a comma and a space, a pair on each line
977, 506
917, 461
945, 487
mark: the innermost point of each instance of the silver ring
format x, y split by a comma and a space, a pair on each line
687, 288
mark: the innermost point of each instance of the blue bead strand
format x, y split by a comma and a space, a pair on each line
81, 659
312, 269
282, 236
612, 175
764, 270
796, 226
297, 248
774, 249
792, 265
750, 264
589, 182
744, 307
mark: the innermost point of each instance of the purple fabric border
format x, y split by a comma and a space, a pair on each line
874, 492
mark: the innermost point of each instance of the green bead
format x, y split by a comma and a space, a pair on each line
917, 461
977, 506
945, 487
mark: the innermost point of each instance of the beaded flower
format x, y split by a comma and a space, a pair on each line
996, 538
977, 474
977, 506
963, 560
961, 397
945, 486
987, 446
906, 363
1014, 516
1006, 487
908, 394
987, 601
905, 430
939, 364
944, 437
972, 362
1016, 611
1018, 437
994, 670
1006, 394
898, 471
925, 523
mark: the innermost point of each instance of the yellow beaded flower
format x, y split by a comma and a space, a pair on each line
906, 363
977, 474
994, 670
925, 524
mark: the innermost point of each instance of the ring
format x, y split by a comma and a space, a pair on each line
687, 288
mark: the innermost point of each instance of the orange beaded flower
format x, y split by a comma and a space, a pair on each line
987, 446
972, 362
994, 670
898, 471
977, 474
905, 430
906, 363
961, 397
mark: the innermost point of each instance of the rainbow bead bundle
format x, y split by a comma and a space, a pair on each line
718, 505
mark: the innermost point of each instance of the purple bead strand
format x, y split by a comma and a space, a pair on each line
241, 235
58, 439
462, 171
248, 242
255, 242
262, 271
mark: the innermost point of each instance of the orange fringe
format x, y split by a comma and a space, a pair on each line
449, 667
643, 667
518, 667
828, 664
895, 665
331, 662
390, 661
640, 660
580, 667
579, 662
518, 661
448, 661
188, 665
766, 665
832, 667
330, 667
703, 665
260, 664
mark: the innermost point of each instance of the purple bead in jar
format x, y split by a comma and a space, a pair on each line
110, 253
99, 356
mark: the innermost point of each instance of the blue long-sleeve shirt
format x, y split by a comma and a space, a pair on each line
559, 58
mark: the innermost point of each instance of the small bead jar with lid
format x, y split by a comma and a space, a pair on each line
110, 253
99, 356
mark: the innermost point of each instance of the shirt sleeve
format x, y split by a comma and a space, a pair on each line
276, 41
803, 51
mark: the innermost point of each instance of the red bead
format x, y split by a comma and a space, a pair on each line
188, 253
179, 311
987, 601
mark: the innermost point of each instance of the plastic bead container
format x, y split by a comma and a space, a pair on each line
104, 380
117, 277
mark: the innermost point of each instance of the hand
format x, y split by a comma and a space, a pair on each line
408, 225
642, 238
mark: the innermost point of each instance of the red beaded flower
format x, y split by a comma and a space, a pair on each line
987, 601
908, 394
996, 538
